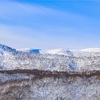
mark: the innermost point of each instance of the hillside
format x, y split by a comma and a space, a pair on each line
34, 74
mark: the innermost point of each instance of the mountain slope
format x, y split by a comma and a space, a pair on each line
51, 75
53, 60
53, 86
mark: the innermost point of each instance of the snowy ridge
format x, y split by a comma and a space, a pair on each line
36, 51
4, 48
91, 50
52, 60
53, 51
59, 52
56, 51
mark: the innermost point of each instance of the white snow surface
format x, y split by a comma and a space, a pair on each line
53, 60
91, 50
57, 51
24, 49
52, 51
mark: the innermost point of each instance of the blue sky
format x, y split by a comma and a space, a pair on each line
49, 24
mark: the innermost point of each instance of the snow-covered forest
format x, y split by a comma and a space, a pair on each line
34, 74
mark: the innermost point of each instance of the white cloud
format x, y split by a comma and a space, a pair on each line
15, 9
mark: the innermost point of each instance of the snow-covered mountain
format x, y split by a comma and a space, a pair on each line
58, 52
53, 51
4, 49
83, 52
36, 51
53, 60
60, 74
91, 50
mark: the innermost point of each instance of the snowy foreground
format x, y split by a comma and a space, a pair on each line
35, 74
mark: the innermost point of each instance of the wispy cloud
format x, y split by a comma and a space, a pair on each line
36, 25
37, 17
11, 10
22, 10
